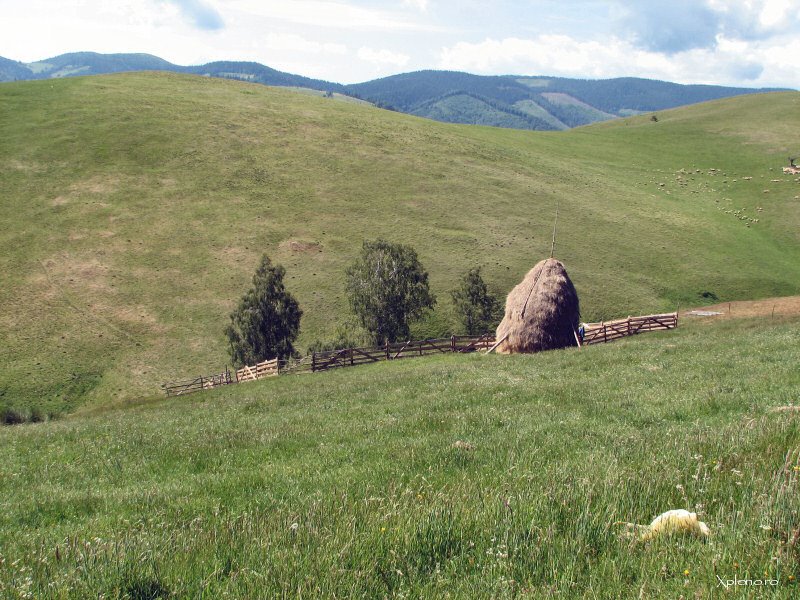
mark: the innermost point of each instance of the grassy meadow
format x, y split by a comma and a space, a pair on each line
455, 476
135, 208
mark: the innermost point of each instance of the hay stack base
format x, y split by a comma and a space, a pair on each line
542, 312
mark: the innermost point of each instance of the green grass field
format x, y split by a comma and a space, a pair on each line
350, 484
135, 208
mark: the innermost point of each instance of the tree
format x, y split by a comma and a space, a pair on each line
476, 307
387, 288
267, 320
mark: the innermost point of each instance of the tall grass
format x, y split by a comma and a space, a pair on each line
454, 476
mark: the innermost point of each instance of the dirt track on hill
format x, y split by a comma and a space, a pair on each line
784, 307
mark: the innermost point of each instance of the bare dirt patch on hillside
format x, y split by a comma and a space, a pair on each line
788, 306
97, 185
300, 246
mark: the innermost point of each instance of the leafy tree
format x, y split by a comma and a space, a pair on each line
348, 334
267, 320
477, 308
387, 288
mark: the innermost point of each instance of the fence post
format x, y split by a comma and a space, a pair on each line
605, 333
313, 362
351, 357
202, 387
452, 343
420, 348
629, 324
387, 349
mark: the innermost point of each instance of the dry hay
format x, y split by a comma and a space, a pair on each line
542, 312
300, 246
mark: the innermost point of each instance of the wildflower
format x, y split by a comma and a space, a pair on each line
383, 529
686, 572
791, 577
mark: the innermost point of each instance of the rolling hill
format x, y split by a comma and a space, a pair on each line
538, 103
136, 207
93, 63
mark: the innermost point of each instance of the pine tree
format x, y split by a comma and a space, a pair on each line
476, 307
267, 320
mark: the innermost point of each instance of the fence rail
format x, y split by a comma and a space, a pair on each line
608, 331
295, 365
594, 333
347, 357
204, 382
268, 368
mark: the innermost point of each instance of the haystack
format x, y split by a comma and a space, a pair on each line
542, 312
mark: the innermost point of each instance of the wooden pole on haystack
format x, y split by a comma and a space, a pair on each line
577, 338
497, 343
533, 287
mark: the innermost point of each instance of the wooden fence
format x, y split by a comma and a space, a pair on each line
204, 382
268, 368
608, 331
347, 357
594, 333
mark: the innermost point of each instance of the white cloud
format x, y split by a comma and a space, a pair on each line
731, 62
752, 19
290, 42
774, 13
543, 54
418, 4
330, 14
383, 57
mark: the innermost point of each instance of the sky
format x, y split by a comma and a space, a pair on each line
748, 43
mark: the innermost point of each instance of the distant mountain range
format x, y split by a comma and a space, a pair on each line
540, 103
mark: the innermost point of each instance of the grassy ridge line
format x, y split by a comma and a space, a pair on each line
349, 483
137, 206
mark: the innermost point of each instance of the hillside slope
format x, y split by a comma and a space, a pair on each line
446, 477
136, 207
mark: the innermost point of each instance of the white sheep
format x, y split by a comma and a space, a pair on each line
670, 522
